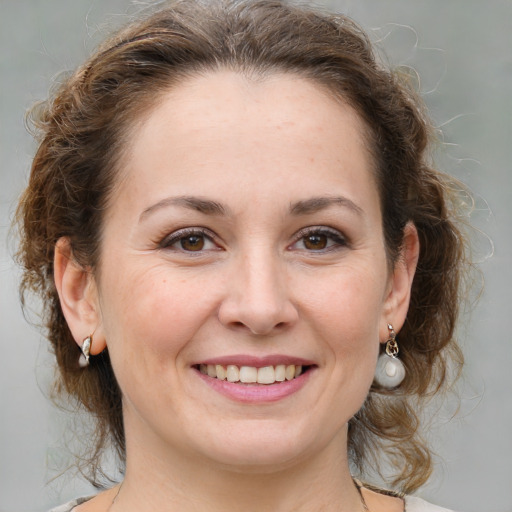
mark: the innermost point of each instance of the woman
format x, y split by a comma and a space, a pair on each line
230, 215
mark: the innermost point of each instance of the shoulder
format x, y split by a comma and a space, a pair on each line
414, 504
100, 501
67, 507
373, 498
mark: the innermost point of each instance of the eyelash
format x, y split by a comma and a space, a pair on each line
182, 234
337, 239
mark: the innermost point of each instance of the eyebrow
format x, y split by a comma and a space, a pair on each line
206, 206
210, 207
316, 204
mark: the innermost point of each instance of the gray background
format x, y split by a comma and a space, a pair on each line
462, 50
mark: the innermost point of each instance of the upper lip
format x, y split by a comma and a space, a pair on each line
256, 361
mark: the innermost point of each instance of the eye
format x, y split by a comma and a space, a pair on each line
318, 239
315, 242
189, 240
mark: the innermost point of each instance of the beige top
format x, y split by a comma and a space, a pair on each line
412, 504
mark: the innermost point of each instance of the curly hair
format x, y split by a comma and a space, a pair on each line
82, 130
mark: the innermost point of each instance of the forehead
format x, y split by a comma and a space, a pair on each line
226, 98
280, 128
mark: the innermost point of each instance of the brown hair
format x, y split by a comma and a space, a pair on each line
82, 129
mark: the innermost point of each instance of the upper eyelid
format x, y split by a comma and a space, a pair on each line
175, 236
319, 229
337, 236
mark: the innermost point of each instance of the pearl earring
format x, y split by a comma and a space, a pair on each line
83, 361
390, 371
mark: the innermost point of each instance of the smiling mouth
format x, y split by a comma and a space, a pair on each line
251, 374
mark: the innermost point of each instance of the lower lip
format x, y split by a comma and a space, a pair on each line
257, 393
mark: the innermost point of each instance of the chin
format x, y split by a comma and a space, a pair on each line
263, 447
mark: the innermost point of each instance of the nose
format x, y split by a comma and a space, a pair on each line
258, 297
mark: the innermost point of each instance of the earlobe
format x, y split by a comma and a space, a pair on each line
78, 296
397, 300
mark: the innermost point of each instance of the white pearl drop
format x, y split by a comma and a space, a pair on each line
390, 371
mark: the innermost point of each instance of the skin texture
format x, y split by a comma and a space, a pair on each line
262, 150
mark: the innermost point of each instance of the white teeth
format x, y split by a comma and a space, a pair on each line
251, 374
290, 372
266, 375
280, 372
232, 373
221, 372
248, 374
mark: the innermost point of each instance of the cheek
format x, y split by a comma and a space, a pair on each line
347, 311
151, 315
350, 292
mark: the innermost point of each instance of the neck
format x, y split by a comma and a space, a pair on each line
181, 482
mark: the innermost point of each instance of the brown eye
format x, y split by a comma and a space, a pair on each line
189, 240
315, 242
321, 240
192, 243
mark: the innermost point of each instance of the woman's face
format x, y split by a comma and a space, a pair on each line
245, 234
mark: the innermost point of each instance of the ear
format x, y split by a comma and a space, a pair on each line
400, 282
78, 297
